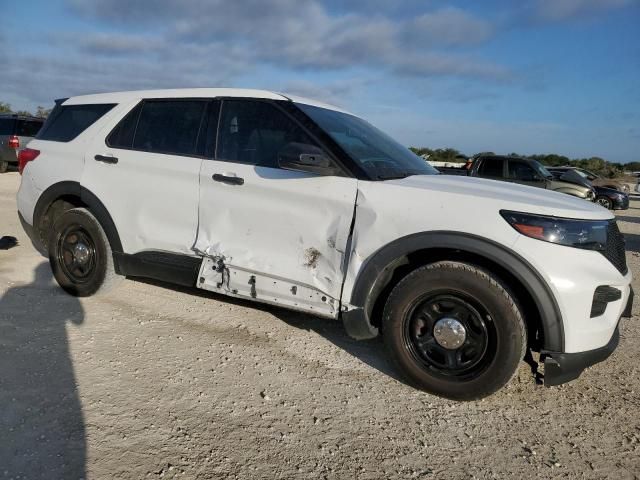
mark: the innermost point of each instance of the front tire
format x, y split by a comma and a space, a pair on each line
605, 202
80, 254
454, 330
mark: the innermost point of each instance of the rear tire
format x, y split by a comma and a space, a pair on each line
605, 202
80, 254
454, 330
4, 166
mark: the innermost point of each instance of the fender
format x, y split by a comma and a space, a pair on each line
94, 204
375, 270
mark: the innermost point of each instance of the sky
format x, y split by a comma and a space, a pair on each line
528, 76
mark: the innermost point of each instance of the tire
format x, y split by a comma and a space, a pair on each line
4, 166
431, 353
80, 254
605, 202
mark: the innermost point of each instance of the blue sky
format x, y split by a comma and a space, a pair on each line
533, 76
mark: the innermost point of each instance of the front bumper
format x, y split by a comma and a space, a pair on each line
561, 368
621, 204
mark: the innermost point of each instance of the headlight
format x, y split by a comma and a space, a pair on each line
587, 234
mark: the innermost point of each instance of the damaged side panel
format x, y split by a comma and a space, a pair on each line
280, 237
216, 276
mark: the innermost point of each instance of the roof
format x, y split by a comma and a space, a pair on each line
119, 97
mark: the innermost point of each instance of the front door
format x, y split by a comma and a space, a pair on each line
267, 233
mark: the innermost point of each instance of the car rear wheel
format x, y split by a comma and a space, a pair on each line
605, 202
80, 254
454, 330
4, 166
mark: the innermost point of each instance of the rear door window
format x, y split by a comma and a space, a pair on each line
169, 126
67, 122
491, 167
122, 135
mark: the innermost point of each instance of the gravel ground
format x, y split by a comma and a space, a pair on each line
156, 381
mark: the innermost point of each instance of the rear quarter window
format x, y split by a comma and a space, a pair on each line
67, 122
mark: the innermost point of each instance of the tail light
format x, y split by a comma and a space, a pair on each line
25, 156
14, 142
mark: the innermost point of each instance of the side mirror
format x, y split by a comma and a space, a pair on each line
303, 157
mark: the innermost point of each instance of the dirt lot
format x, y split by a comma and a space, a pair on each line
153, 381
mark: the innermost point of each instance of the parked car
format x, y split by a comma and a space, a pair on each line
607, 197
611, 199
595, 179
525, 171
15, 132
287, 201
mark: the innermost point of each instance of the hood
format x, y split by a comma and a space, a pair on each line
509, 196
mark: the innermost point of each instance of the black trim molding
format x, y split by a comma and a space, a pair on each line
375, 272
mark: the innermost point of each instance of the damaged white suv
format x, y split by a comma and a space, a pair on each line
287, 201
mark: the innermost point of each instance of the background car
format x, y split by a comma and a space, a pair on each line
594, 178
15, 132
526, 171
611, 199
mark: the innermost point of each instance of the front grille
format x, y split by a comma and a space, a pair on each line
614, 251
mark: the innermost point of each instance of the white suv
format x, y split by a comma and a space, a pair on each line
291, 202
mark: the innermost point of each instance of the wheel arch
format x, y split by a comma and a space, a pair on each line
64, 195
385, 267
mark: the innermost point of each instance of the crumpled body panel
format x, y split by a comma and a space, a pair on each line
278, 226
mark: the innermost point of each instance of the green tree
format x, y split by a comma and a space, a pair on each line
42, 112
5, 108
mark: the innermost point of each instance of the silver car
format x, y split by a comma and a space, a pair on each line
15, 132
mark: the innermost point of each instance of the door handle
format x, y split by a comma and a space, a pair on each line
229, 179
106, 159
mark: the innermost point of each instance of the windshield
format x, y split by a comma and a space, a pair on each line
540, 170
378, 154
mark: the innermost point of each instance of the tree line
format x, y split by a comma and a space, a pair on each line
594, 164
40, 112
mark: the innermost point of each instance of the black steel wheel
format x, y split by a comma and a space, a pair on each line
451, 334
453, 329
76, 254
80, 254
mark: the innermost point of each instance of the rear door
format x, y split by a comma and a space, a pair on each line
271, 234
146, 170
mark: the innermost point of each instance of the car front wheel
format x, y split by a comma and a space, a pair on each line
80, 254
453, 329
605, 202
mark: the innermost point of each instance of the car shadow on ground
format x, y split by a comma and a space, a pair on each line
42, 432
371, 352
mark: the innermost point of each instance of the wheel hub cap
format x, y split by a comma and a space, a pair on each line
81, 253
449, 333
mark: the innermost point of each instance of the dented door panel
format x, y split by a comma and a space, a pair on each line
284, 231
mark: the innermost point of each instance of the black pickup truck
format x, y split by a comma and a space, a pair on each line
520, 170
